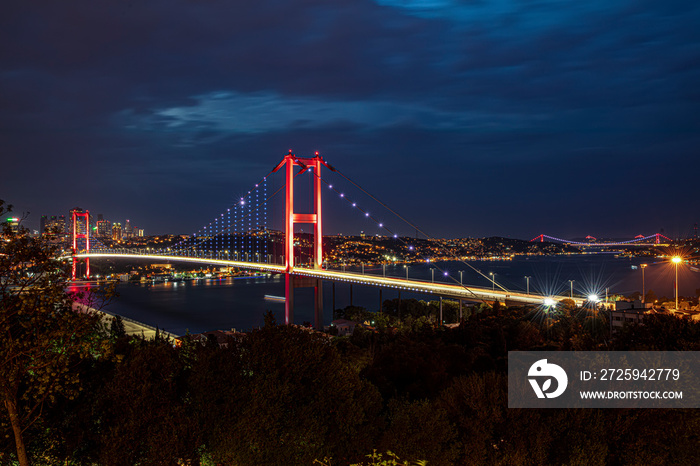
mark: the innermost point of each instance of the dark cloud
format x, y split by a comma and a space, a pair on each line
516, 118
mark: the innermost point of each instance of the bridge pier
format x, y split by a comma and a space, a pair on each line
288, 299
318, 305
291, 282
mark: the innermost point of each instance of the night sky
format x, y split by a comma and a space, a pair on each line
469, 118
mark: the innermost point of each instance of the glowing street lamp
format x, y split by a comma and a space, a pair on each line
493, 281
643, 266
572, 287
676, 260
528, 284
593, 299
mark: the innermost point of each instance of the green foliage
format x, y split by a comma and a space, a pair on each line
285, 397
142, 416
42, 339
408, 367
377, 459
117, 329
421, 429
659, 333
282, 395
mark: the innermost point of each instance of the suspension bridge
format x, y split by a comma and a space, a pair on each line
238, 237
656, 239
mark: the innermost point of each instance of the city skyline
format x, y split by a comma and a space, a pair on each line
63, 222
468, 119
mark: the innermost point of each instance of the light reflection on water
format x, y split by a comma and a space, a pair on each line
240, 303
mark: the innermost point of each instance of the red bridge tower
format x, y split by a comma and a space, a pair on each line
77, 234
313, 164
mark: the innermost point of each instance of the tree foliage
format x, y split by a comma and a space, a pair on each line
285, 395
41, 338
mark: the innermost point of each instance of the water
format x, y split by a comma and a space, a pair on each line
241, 303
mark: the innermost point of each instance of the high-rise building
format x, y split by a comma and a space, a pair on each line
13, 222
104, 228
117, 231
52, 225
128, 229
61, 222
81, 221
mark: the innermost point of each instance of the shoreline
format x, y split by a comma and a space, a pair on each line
131, 326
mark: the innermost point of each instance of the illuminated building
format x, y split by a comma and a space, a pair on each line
61, 224
13, 222
52, 224
117, 231
104, 228
81, 219
128, 230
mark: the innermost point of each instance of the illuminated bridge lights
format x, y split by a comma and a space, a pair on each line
639, 239
443, 289
331, 275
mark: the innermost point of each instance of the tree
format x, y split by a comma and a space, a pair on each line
117, 329
41, 338
281, 395
140, 413
421, 429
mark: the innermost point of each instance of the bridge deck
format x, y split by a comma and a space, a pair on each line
448, 290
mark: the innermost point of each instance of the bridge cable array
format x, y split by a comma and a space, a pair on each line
395, 236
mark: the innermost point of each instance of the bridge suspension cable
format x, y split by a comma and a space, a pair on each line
637, 239
396, 236
200, 237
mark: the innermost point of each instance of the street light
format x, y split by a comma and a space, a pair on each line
572, 288
432, 273
676, 260
643, 266
460, 277
528, 284
493, 281
406, 271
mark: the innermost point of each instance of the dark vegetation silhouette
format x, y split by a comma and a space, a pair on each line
87, 394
